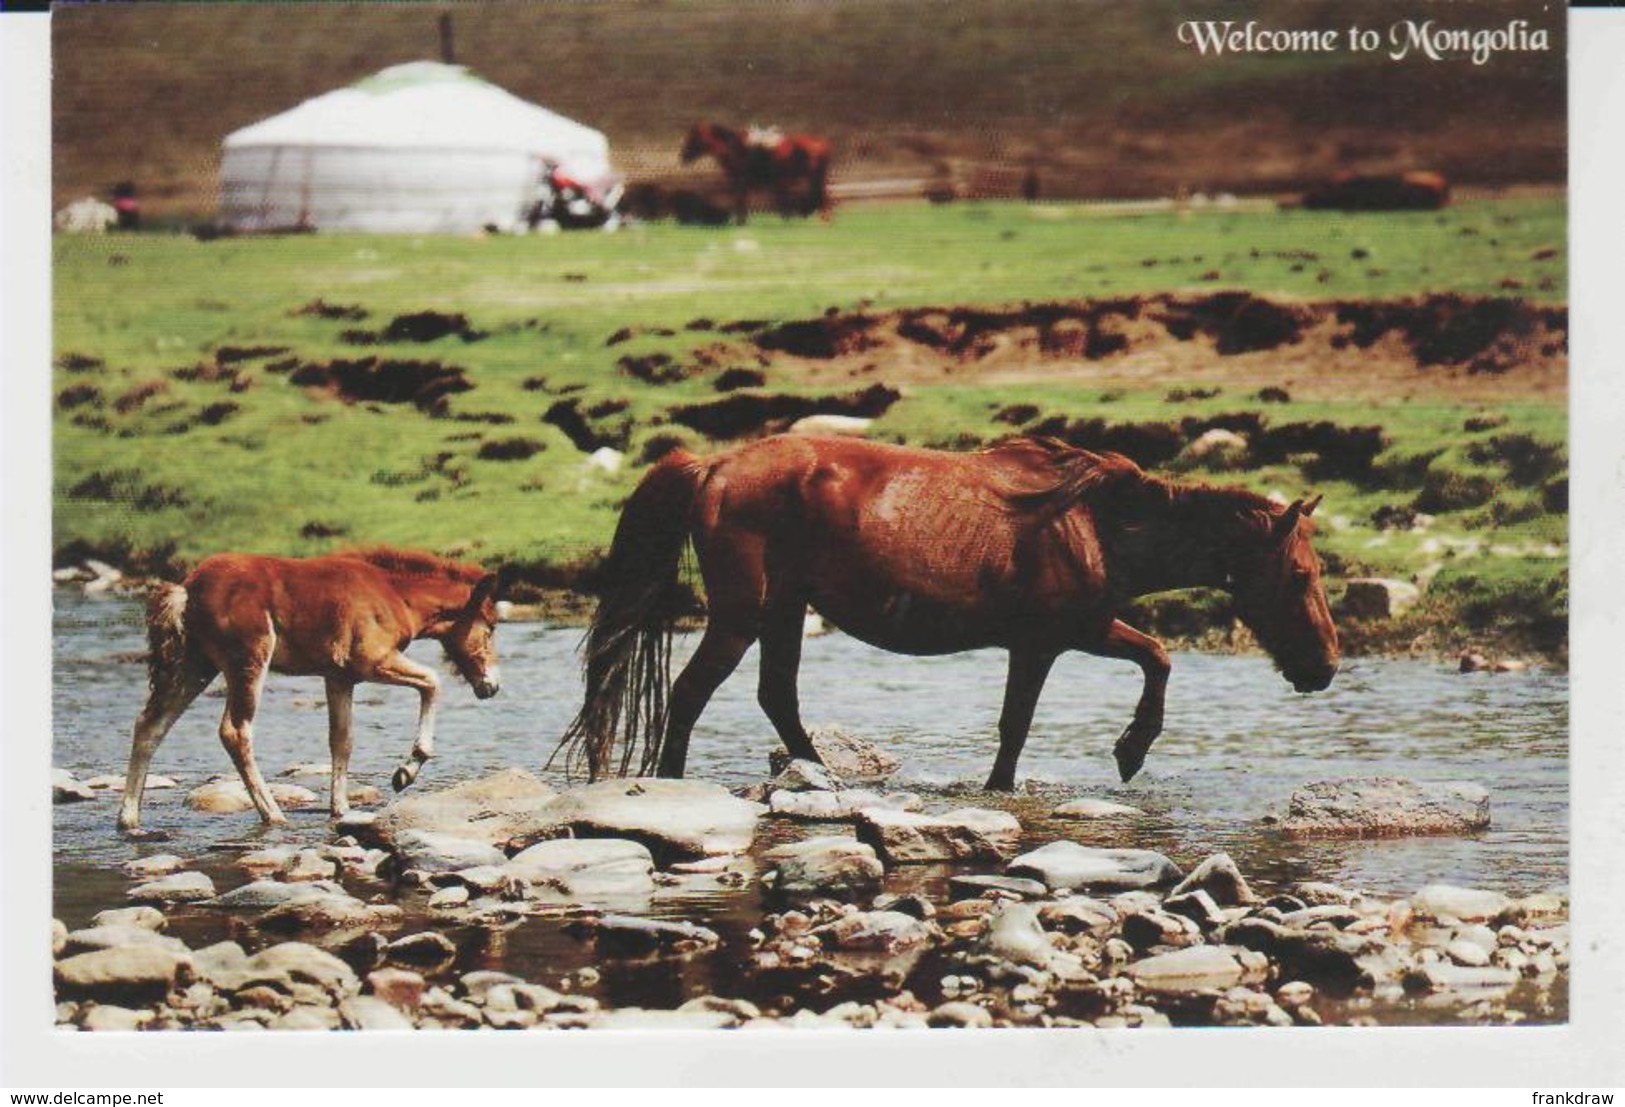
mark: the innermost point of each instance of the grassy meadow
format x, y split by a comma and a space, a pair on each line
181, 426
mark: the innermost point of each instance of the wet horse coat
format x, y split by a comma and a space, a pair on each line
346, 618
1032, 546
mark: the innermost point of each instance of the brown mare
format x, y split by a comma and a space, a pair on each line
777, 166
1032, 546
346, 618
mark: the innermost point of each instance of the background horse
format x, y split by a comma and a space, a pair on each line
346, 618
1032, 546
778, 165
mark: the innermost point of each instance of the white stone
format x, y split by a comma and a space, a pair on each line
1070, 865
175, 888
1087, 808
688, 818
585, 867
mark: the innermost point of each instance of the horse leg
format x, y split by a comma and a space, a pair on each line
776, 682
173, 691
340, 700
1028, 671
400, 669
714, 660
741, 205
245, 681
1123, 641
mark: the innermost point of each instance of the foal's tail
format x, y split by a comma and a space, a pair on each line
166, 634
627, 651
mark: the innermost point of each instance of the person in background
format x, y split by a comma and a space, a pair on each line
127, 206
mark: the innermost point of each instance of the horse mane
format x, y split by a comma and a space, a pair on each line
1050, 476
415, 563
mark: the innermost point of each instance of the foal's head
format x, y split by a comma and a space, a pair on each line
1279, 595
468, 635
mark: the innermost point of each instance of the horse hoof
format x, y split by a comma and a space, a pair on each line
400, 780
1128, 763
998, 784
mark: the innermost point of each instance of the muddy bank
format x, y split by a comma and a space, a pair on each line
1474, 335
818, 898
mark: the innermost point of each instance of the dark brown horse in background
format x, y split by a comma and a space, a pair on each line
1032, 546
778, 166
346, 618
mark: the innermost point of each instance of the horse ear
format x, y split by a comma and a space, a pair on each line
1288, 522
487, 589
1309, 507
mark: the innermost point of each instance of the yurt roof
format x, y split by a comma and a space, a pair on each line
420, 105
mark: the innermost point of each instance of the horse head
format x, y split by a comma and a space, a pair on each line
1280, 597
468, 635
697, 144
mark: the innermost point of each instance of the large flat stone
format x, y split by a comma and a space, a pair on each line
1187, 970
676, 819
1070, 865
492, 810
824, 866
585, 867
968, 834
1374, 807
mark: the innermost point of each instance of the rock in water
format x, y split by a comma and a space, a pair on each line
820, 866
230, 797
261, 895
629, 936
875, 932
127, 972
968, 834
802, 776
681, 819
842, 806
1070, 865
442, 852
175, 888
1219, 877
492, 809
585, 868
1087, 808
66, 789
300, 962
1186, 970
1372, 807
1468, 905
851, 758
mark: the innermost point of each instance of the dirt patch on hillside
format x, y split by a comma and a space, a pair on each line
1468, 346
743, 414
423, 384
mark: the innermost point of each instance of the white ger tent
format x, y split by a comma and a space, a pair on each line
420, 147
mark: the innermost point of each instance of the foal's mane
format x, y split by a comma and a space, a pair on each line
415, 563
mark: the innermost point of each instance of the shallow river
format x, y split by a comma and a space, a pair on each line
1236, 744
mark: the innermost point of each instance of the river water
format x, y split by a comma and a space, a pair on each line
1237, 742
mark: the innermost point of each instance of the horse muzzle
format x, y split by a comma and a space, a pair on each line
1316, 682
488, 685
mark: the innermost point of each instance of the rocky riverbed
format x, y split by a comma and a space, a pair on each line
820, 898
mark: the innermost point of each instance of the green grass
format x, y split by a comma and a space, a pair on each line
289, 471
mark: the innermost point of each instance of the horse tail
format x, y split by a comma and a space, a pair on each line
818, 182
627, 650
166, 634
